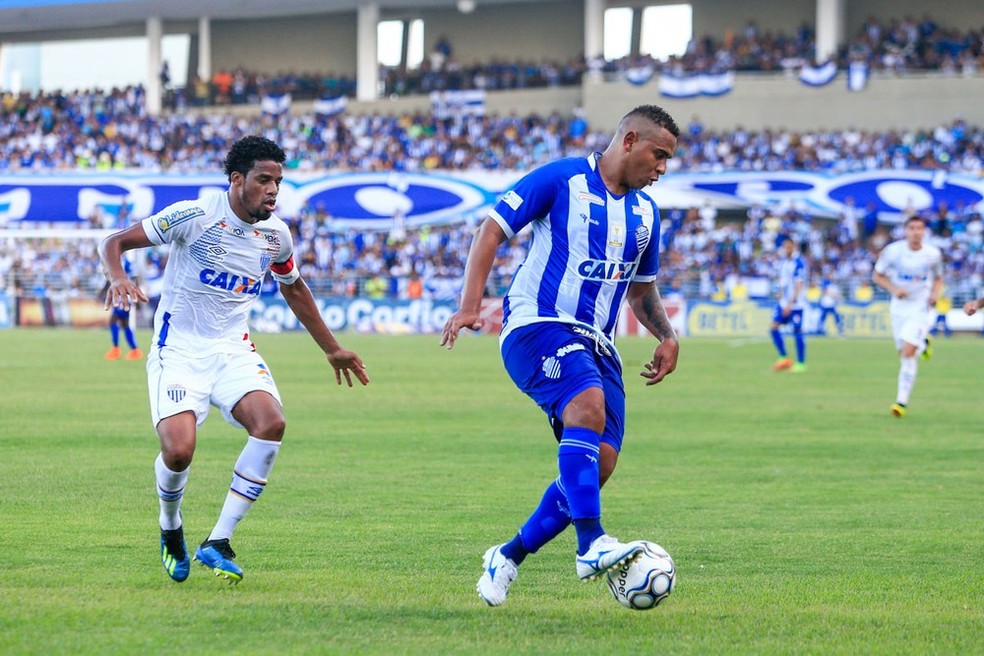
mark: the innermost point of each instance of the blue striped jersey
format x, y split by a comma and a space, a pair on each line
588, 245
789, 271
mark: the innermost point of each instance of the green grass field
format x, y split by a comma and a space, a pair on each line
803, 518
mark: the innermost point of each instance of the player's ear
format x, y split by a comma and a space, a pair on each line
630, 139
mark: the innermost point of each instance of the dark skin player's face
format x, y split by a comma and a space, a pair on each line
253, 196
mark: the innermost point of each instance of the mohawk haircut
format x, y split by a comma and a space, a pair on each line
658, 116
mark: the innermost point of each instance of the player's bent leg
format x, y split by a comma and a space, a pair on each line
218, 556
174, 554
498, 573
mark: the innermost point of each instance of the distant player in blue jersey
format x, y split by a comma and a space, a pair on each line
595, 244
120, 320
791, 300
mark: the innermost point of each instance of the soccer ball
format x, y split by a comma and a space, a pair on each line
645, 582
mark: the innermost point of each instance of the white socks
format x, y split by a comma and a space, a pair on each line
907, 378
249, 478
170, 489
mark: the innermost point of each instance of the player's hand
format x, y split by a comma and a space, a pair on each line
901, 293
348, 363
664, 361
122, 293
970, 307
455, 323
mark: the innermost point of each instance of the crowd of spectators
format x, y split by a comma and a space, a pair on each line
101, 131
893, 46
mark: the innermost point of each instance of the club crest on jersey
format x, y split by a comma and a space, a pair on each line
165, 223
605, 270
642, 210
513, 200
642, 237
176, 393
265, 260
230, 281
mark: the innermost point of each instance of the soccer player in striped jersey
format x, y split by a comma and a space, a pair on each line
912, 272
595, 245
222, 246
791, 301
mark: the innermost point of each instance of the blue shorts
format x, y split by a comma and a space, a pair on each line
120, 313
551, 362
795, 318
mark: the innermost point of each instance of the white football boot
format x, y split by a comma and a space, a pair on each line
604, 554
498, 575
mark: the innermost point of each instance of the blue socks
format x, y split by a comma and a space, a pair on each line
577, 459
114, 333
800, 346
779, 342
130, 340
548, 521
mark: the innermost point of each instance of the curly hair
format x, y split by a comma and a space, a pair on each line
249, 150
657, 115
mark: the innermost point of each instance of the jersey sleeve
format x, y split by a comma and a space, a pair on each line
172, 223
649, 260
884, 260
529, 199
284, 269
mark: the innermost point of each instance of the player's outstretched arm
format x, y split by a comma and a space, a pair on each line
344, 362
971, 307
121, 291
480, 258
648, 307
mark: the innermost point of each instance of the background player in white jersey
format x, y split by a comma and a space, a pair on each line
912, 272
595, 243
791, 275
221, 248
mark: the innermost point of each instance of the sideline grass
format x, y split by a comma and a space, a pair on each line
802, 517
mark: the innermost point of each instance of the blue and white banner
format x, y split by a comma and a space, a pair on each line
857, 75
639, 75
330, 106
464, 102
361, 314
818, 76
275, 105
364, 200
4, 311
700, 84
373, 200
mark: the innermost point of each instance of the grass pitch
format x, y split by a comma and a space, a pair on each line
803, 518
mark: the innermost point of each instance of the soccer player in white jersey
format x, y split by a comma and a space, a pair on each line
221, 248
595, 244
791, 274
912, 272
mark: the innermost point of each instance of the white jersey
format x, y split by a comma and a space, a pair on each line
913, 271
791, 282
214, 271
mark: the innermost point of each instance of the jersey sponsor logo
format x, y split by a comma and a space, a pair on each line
605, 270
230, 281
512, 199
642, 210
165, 223
570, 348
591, 198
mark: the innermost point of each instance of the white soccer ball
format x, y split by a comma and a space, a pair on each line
645, 582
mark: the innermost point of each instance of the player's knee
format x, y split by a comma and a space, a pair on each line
177, 455
586, 410
269, 428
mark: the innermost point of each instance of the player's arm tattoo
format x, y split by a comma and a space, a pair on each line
648, 308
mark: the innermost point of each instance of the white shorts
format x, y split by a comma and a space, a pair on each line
178, 384
910, 328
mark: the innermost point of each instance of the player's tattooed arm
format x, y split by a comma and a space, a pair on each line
645, 301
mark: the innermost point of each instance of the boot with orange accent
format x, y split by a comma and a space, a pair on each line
782, 364
135, 354
113, 353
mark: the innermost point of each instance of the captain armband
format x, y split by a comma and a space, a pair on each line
285, 272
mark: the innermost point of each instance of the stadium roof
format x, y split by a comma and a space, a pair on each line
25, 16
